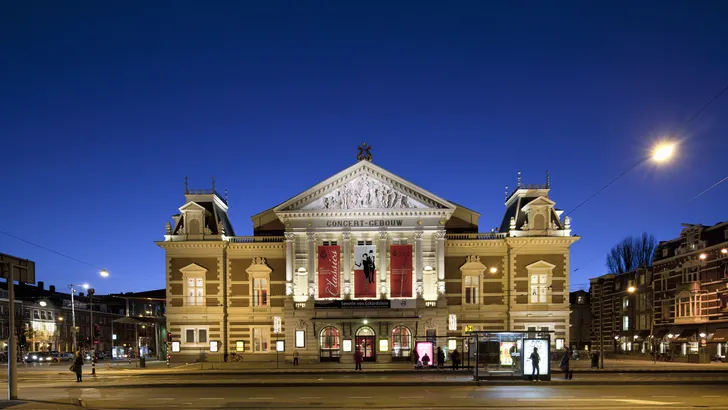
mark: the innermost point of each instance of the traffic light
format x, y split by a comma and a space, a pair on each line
169, 336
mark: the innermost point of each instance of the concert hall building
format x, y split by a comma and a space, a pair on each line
367, 261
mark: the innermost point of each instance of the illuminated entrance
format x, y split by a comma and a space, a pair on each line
329, 344
365, 343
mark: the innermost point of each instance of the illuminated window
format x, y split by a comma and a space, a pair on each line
471, 287
261, 337
401, 341
260, 292
625, 322
194, 282
539, 286
329, 338
240, 346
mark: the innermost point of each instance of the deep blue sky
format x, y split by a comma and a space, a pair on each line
106, 106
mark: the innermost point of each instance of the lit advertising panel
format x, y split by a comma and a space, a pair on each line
425, 348
505, 353
535, 349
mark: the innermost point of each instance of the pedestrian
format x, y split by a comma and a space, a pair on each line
416, 357
565, 364
295, 357
77, 366
535, 363
455, 356
425, 361
358, 359
440, 357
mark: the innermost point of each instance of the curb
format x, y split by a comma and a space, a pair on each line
408, 384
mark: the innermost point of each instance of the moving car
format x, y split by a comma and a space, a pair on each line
38, 357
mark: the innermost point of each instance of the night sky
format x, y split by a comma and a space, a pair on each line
105, 108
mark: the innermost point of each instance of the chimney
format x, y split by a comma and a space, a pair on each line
52, 288
40, 285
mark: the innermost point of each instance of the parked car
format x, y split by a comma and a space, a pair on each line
38, 357
62, 357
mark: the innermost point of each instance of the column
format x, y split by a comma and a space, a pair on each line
290, 259
440, 236
347, 265
418, 263
382, 268
311, 264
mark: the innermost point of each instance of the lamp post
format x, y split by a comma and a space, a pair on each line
73, 287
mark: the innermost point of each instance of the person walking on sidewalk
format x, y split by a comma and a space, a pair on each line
440, 357
416, 356
535, 363
358, 359
455, 356
295, 358
78, 366
565, 364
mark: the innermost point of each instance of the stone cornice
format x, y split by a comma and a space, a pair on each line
475, 244
374, 213
191, 245
542, 240
257, 246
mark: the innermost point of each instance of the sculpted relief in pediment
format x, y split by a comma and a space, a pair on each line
364, 192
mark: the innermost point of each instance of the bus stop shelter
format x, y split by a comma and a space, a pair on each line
499, 355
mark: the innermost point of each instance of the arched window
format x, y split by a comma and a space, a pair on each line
365, 331
401, 342
329, 338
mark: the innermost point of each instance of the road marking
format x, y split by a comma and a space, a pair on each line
630, 401
260, 398
665, 396
713, 397
458, 397
212, 398
360, 397
161, 398
411, 397
310, 397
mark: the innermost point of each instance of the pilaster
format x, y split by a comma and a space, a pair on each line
347, 265
440, 238
418, 263
290, 260
311, 264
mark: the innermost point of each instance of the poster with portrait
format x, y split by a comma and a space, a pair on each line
425, 348
535, 355
505, 353
365, 271
400, 265
329, 258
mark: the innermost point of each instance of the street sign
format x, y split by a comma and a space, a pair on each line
24, 269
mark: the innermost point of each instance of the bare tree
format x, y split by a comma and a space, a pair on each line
632, 253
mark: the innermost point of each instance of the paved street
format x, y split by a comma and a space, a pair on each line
312, 397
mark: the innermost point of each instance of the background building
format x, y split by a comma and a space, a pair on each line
580, 320
363, 260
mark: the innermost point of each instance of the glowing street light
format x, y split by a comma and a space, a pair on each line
724, 251
631, 289
703, 256
493, 270
663, 152
104, 273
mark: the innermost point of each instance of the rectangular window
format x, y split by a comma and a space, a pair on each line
240, 346
260, 292
300, 338
690, 275
665, 252
643, 322
201, 335
260, 339
196, 335
625, 322
625, 302
642, 279
195, 291
539, 286
580, 300
472, 285
190, 336
683, 307
36, 314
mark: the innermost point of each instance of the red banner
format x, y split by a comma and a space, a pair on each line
365, 271
400, 278
328, 271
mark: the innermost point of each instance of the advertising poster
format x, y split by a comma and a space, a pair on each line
329, 258
365, 271
535, 354
400, 278
425, 348
505, 353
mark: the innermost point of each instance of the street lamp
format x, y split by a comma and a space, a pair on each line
73, 287
663, 152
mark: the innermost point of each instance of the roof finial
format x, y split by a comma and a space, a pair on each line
506, 193
519, 180
187, 190
365, 152
213, 183
548, 180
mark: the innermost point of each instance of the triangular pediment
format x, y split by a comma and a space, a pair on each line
191, 206
540, 201
364, 186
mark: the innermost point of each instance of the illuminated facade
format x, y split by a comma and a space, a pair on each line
363, 260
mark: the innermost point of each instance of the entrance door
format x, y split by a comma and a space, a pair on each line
366, 344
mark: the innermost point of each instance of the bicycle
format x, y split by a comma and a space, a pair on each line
232, 357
